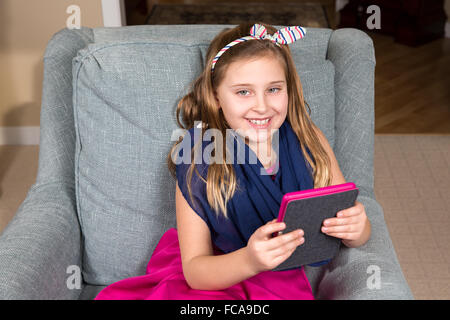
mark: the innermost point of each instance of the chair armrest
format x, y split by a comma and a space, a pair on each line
350, 274
39, 244
43, 238
369, 272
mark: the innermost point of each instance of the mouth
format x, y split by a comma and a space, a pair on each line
262, 123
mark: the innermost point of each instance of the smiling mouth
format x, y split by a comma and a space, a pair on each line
259, 121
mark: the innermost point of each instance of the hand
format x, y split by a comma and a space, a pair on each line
265, 252
351, 225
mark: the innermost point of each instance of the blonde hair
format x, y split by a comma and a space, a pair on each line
200, 105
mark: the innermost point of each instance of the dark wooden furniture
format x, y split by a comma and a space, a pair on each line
411, 22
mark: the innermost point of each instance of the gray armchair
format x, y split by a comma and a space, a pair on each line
103, 195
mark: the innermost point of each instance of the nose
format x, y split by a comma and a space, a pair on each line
262, 103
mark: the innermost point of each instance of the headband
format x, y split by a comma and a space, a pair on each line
283, 36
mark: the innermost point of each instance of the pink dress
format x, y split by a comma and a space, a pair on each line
164, 280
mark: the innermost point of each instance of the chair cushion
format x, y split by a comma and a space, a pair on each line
89, 292
125, 97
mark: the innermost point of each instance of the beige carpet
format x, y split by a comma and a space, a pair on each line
412, 174
412, 183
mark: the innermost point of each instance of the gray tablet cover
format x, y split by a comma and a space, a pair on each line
308, 214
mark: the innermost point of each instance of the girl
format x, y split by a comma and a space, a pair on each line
222, 247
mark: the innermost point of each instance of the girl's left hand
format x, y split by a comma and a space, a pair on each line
350, 224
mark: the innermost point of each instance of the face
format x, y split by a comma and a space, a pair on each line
253, 97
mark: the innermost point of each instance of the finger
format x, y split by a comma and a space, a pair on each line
281, 240
287, 247
272, 222
343, 235
291, 246
275, 233
284, 239
339, 229
281, 258
352, 211
286, 255
339, 221
269, 228
348, 214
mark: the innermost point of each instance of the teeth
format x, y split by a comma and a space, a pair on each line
259, 122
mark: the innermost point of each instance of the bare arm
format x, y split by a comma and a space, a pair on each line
202, 269
219, 272
205, 271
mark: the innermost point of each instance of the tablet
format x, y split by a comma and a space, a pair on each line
306, 210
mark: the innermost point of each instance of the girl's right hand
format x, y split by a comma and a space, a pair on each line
266, 253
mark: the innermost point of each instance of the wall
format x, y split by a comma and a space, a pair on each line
25, 29
447, 25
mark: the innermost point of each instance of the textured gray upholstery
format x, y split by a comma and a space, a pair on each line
103, 195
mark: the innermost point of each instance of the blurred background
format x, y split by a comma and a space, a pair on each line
412, 100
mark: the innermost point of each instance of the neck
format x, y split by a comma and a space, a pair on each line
265, 153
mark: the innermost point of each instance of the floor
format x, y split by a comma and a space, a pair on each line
412, 86
411, 184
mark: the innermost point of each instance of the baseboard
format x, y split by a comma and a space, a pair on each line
19, 135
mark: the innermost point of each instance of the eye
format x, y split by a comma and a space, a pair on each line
278, 89
242, 91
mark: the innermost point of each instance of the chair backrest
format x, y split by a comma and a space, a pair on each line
126, 85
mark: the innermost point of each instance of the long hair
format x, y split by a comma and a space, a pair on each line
200, 105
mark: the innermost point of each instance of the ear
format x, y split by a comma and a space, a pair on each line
217, 100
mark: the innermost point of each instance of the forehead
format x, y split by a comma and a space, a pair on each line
259, 70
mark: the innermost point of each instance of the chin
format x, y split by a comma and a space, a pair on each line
253, 136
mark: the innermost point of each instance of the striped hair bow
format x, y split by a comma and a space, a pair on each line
257, 31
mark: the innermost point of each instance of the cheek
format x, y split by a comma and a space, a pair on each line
281, 103
235, 107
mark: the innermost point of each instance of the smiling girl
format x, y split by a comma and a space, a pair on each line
222, 247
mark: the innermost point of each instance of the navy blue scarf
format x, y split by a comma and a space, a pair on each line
258, 198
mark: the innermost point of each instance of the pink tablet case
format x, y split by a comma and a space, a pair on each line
307, 210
